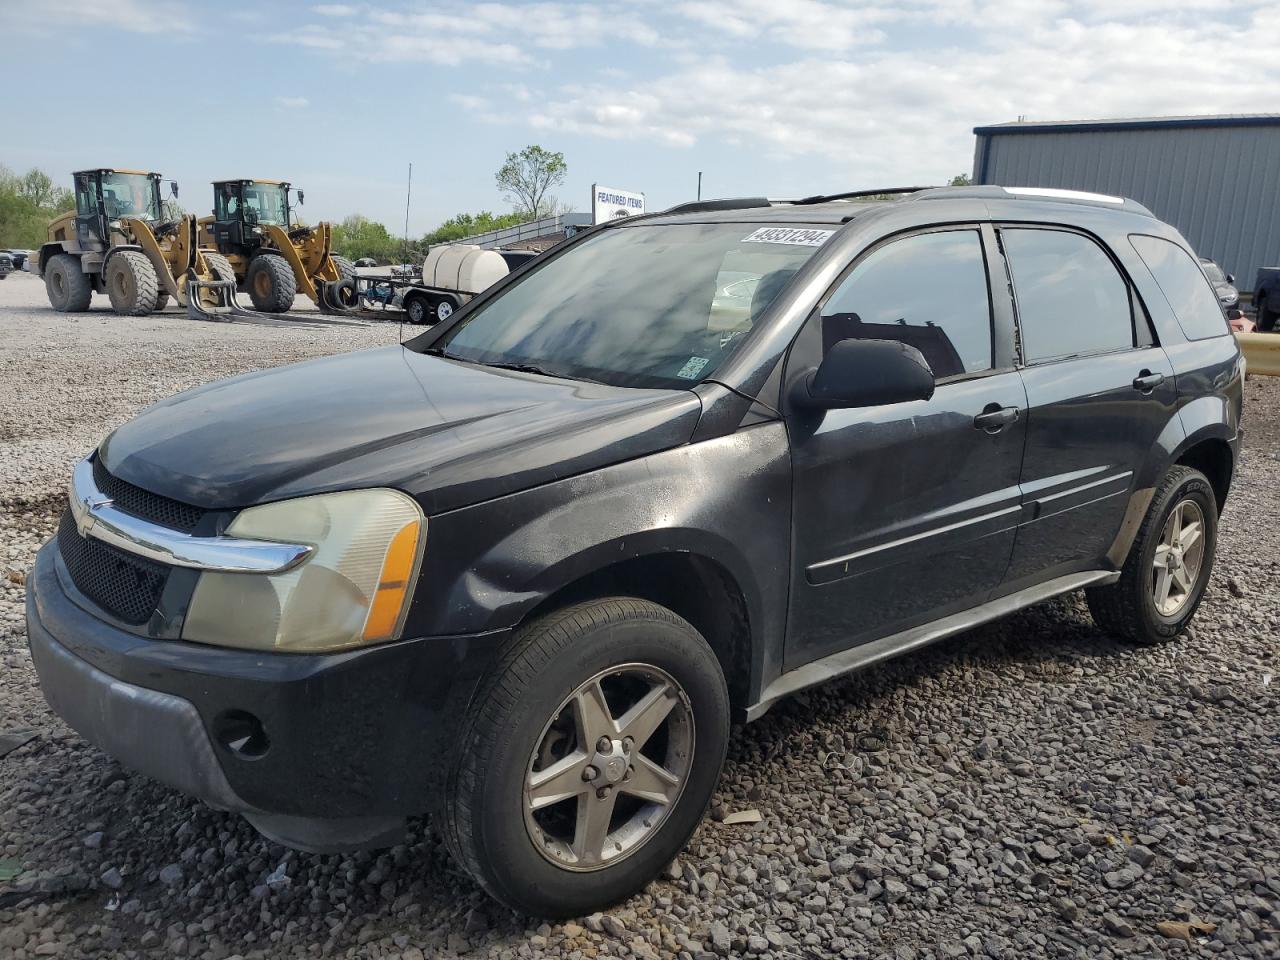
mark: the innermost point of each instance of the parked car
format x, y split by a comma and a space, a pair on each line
1266, 298
6, 265
366, 262
1223, 284
525, 569
19, 257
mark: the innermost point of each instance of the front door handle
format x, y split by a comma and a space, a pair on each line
995, 418
1147, 381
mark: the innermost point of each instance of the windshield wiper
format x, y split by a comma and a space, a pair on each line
520, 367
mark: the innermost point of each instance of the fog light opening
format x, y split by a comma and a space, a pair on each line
242, 734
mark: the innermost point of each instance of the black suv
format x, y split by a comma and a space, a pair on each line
523, 571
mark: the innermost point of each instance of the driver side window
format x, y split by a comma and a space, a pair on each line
928, 291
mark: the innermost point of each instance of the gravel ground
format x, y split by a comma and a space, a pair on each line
1027, 789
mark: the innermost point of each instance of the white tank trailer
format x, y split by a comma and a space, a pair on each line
463, 267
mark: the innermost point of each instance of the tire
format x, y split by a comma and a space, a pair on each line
1266, 316
132, 284
271, 283
419, 310
220, 266
1129, 607
69, 287
346, 269
516, 721
162, 300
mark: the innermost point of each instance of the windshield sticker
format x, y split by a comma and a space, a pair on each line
798, 236
692, 367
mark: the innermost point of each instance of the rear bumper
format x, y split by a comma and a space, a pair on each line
354, 742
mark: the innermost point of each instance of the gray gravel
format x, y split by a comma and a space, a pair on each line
1028, 789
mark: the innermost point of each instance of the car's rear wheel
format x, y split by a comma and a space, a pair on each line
1266, 316
588, 757
1164, 577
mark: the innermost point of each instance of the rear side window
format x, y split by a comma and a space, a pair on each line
929, 291
1071, 299
1190, 295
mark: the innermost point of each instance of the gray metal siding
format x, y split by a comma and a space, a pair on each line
1219, 185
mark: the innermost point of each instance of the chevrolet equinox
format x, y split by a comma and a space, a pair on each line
521, 572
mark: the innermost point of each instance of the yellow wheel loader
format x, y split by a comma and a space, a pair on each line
119, 242
273, 258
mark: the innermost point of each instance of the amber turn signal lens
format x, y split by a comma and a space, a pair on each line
393, 585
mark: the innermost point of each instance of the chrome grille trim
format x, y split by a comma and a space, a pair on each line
96, 516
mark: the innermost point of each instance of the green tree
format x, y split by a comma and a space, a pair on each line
357, 236
27, 204
525, 178
960, 180
468, 225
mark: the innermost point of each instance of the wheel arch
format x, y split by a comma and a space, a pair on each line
697, 587
1211, 454
51, 249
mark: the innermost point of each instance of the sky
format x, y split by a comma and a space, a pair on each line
780, 98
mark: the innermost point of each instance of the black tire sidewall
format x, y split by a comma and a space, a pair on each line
1155, 624
279, 299
423, 309
57, 279
521, 875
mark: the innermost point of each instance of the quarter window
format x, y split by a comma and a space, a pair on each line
929, 291
1190, 295
1071, 299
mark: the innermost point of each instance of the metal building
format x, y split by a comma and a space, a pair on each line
1217, 179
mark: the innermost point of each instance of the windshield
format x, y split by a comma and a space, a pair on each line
266, 203
644, 306
1213, 271
130, 195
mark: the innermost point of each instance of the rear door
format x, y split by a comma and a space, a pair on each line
1099, 391
906, 512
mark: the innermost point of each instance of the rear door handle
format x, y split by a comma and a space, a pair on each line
1147, 381
995, 418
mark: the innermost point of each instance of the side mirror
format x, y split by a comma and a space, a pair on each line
1231, 279
866, 373
301, 197
173, 189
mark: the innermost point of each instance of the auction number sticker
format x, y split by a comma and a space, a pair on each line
798, 236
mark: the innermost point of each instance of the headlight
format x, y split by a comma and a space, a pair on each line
353, 590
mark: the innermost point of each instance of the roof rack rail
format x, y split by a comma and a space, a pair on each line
998, 192
730, 203
854, 194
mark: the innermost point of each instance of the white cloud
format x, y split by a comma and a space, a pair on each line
293, 103
453, 33
892, 115
132, 16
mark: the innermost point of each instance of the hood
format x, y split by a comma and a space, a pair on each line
446, 432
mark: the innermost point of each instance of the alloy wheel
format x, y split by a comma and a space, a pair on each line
609, 767
1179, 556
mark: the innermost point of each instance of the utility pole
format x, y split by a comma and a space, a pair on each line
407, 194
699, 184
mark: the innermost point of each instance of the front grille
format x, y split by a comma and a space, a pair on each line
125, 586
143, 503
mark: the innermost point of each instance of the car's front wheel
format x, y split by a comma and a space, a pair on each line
1164, 577
588, 757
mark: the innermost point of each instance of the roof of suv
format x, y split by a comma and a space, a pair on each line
841, 208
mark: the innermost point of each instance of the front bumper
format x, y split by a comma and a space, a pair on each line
354, 741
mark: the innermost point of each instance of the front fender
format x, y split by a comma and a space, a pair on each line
726, 499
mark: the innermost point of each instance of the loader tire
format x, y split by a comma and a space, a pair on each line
162, 300
220, 267
346, 269
132, 284
272, 285
69, 287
